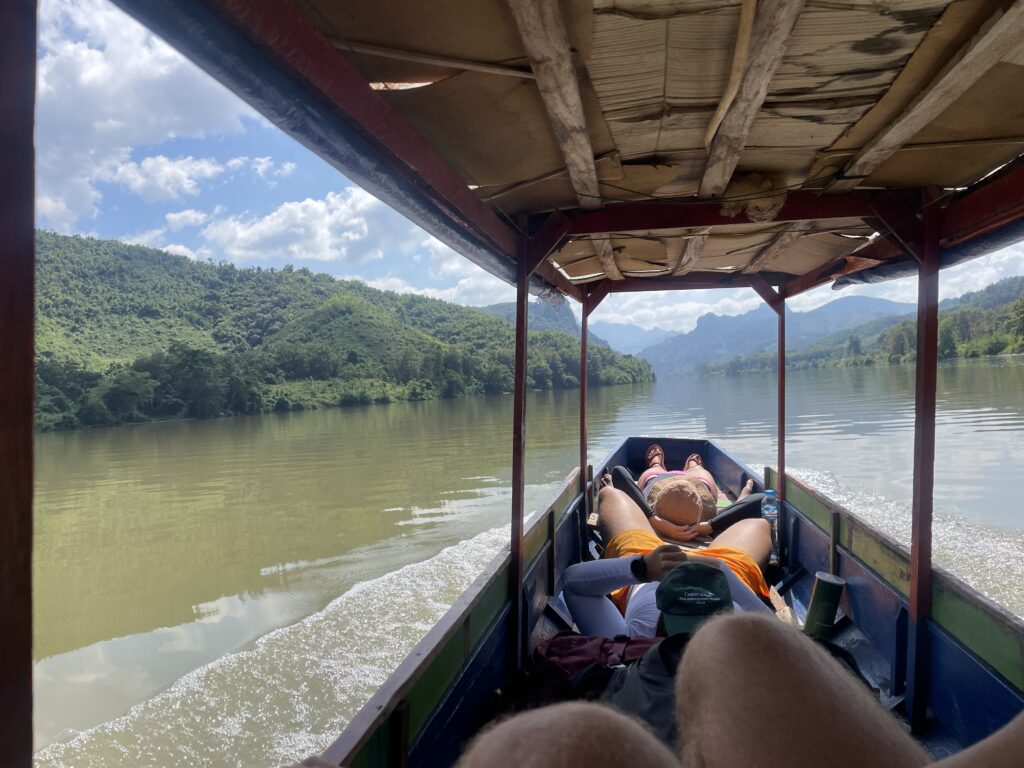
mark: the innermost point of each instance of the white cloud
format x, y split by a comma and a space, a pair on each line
266, 168
152, 238
953, 282
476, 289
350, 226
180, 250
105, 86
674, 310
236, 162
262, 166
160, 178
190, 217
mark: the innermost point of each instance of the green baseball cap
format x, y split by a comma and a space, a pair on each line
689, 594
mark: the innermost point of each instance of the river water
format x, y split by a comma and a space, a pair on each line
229, 592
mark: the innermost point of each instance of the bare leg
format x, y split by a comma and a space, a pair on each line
616, 512
753, 691
567, 735
695, 468
753, 536
1003, 749
746, 490
655, 464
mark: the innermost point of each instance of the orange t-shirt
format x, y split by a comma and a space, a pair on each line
637, 542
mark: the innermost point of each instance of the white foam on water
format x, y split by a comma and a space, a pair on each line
989, 559
293, 690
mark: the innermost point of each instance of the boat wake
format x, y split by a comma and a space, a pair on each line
293, 690
987, 558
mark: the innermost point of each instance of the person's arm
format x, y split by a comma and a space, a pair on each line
585, 587
744, 509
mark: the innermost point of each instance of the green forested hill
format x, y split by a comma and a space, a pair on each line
978, 324
126, 333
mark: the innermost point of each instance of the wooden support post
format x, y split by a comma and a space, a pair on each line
17, 285
519, 454
924, 469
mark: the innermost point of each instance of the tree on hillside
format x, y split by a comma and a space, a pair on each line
853, 347
1016, 322
947, 343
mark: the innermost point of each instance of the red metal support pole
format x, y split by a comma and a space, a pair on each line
583, 397
17, 286
924, 468
519, 453
781, 311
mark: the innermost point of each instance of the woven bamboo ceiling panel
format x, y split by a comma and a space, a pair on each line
728, 100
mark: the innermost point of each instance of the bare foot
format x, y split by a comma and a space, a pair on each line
606, 480
748, 488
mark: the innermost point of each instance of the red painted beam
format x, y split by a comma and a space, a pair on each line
584, 359
926, 374
689, 282
515, 583
844, 265
287, 33
990, 206
17, 286
549, 272
766, 292
597, 295
900, 222
669, 214
780, 310
548, 236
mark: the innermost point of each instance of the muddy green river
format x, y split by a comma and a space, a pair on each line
229, 592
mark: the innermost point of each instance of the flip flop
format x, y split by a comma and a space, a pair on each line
692, 457
655, 450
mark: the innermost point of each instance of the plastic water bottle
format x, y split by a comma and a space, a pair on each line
770, 512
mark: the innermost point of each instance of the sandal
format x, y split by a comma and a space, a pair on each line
693, 457
653, 452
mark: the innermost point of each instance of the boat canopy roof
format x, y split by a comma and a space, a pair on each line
623, 145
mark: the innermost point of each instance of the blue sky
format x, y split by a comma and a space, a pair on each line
136, 143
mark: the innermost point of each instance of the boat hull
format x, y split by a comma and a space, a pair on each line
453, 681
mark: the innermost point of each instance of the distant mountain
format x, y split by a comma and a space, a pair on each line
544, 317
629, 339
978, 324
717, 338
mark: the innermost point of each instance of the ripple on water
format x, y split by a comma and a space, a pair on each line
293, 691
991, 560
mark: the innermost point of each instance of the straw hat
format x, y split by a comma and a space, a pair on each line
681, 500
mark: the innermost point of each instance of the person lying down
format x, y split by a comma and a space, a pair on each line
668, 591
617, 594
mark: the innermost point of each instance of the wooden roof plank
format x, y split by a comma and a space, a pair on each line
691, 253
606, 255
672, 214
542, 29
774, 249
997, 38
772, 26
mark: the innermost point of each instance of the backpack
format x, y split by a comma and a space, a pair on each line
570, 667
567, 654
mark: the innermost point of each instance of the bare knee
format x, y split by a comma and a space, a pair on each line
570, 734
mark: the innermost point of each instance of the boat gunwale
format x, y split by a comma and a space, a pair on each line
950, 593
375, 712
